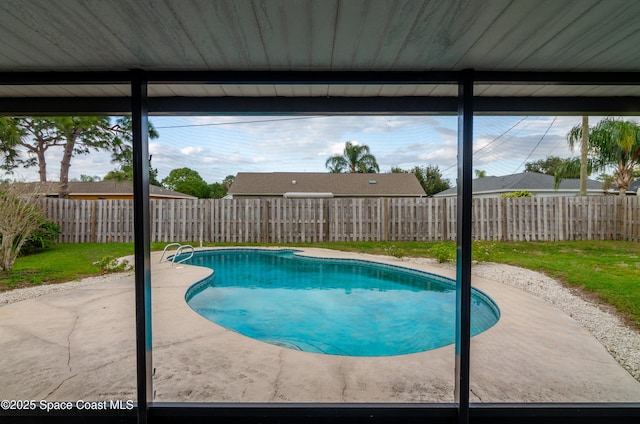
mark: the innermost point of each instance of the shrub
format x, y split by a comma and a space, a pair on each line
110, 264
444, 252
41, 239
482, 251
522, 193
20, 217
395, 251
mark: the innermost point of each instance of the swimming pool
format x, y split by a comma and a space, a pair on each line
331, 306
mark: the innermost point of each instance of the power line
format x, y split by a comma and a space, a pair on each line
495, 139
536, 146
241, 122
492, 141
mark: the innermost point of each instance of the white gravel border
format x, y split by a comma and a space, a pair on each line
622, 341
19, 295
619, 339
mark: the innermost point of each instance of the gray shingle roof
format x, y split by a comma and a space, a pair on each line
529, 181
344, 185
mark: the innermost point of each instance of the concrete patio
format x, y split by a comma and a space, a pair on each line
80, 344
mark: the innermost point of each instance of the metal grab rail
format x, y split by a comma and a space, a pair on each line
179, 252
168, 246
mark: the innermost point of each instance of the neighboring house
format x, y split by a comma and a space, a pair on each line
536, 184
107, 190
324, 184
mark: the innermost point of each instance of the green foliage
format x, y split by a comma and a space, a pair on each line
607, 181
123, 154
444, 252
395, 251
41, 239
612, 143
429, 176
228, 180
218, 190
110, 264
63, 262
521, 193
187, 181
483, 251
550, 165
355, 158
20, 217
25, 140
89, 178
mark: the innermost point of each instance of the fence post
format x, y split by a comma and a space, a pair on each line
264, 217
94, 221
445, 220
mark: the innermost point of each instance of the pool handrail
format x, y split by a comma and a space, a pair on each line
179, 252
166, 247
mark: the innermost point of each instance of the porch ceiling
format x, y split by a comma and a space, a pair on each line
327, 36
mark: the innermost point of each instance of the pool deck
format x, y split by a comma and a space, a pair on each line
80, 344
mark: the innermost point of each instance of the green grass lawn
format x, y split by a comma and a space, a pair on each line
610, 269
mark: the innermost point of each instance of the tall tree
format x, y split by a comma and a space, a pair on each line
187, 181
611, 143
228, 180
549, 166
24, 141
125, 171
355, 158
88, 178
429, 176
219, 190
584, 154
79, 135
123, 154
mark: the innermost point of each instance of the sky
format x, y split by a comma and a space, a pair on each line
217, 146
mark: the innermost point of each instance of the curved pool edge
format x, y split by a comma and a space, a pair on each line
336, 256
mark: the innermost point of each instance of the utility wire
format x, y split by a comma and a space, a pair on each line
492, 141
241, 122
536, 146
498, 137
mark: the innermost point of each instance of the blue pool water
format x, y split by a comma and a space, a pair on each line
339, 307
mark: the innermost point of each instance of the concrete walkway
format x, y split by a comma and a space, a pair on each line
80, 344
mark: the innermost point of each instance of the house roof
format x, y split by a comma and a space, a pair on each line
344, 185
107, 188
530, 181
331, 35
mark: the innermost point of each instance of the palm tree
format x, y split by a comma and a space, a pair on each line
611, 143
355, 158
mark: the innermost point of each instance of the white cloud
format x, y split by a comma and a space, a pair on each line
191, 150
217, 146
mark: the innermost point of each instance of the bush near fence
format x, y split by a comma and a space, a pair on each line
279, 220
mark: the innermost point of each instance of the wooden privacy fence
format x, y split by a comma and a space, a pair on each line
279, 220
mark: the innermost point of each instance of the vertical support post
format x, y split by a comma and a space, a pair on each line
142, 248
463, 244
